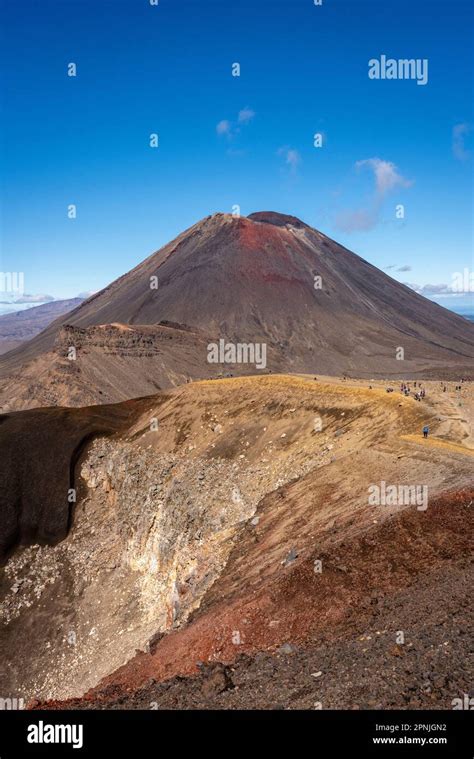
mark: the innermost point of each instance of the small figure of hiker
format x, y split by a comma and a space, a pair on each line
426, 429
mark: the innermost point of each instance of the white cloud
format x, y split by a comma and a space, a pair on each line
291, 156
386, 175
460, 132
246, 115
34, 298
224, 127
230, 128
387, 178
86, 294
441, 289
356, 221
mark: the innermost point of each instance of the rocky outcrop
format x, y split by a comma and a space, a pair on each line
39, 452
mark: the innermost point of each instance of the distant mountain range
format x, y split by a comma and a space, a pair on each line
19, 326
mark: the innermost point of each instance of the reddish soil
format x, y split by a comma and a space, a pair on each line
408, 574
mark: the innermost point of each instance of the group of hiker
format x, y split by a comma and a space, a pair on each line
418, 394
458, 388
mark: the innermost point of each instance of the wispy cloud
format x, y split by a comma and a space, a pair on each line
387, 179
291, 157
246, 115
386, 175
231, 129
34, 298
223, 127
460, 132
359, 220
398, 268
441, 289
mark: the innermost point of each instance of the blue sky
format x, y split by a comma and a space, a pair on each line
166, 69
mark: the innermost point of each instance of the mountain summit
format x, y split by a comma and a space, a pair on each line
278, 219
266, 279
